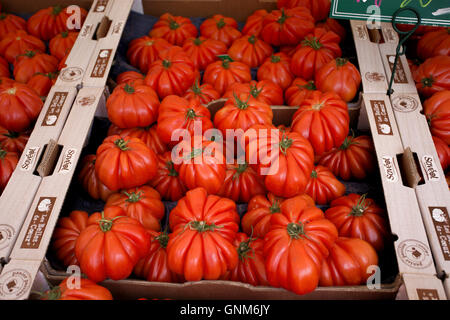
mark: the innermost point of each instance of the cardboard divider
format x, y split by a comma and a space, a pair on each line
31, 245
105, 49
19, 193
422, 287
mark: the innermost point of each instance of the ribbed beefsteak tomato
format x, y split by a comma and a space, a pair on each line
143, 51
254, 23
27, 65
443, 151
205, 93
433, 76
174, 29
221, 28
89, 180
18, 43
435, 43
323, 186
10, 23
277, 69
204, 227
8, 162
319, 8
265, 91
204, 51
129, 76
437, 111
13, 141
87, 290
62, 43
42, 83
299, 91
250, 50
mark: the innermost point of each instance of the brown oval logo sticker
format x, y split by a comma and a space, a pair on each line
71, 74
6, 234
374, 76
14, 284
405, 104
86, 101
414, 253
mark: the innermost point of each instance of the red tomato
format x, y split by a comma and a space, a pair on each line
241, 183
323, 186
87, 290
359, 217
204, 93
437, 111
298, 242
132, 105
265, 91
129, 76
348, 263
143, 51
175, 29
32, 62
287, 26
204, 51
250, 50
167, 180
111, 245
222, 74
4, 68
333, 25
173, 73
299, 91
443, 152
13, 141
141, 203
315, 51
221, 28
8, 162
204, 227
61, 44
89, 180
323, 120
124, 163
250, 268
254, 23
319, 8
354, 159
277, 69
18, 43
42, 83
178, 113
154, 266
339, 76
435, 43
10, 23
433, 76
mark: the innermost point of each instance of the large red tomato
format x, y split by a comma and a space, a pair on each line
47, 23
256, 221
204, 227
222, 74
66, 233
433, 76
4, 68
175, 29
284, 159
359, 217
143, 51
241, 112
8, 162
200, 163
18, 43
148, 135
437, 111
323, 186
205, 93
339, 76
89, 180
277, 69
20, 106
298, 242
173, 73
287, 26
42, 83
27, 65
348, 263
443, 151
178, 113
132, 105
87, 290
265, 91
315, 51
435, 43
354, 159
129, 76
10, 23
250, 268
241, 183
250, 50
221, 28
323, 120
111, 245
167, 179
141, 203
61, 44
319, 8
204, 51
13, 141
254, 23
299, 91
154, 266
333, 25
124, 163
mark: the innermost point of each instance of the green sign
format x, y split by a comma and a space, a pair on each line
433, 12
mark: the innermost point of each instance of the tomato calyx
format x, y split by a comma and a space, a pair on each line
317, 106
149, 43
11, 90
252, 39
173, 25
296, 230
56, 10
275, 59
347, 142
190, 114
3, 153
254, 91
309, 86
221, 23
340, 62
427, 82
121, 144
202, 226
106, 224
239, 170
360, 207
242, 105
196, 88
52, 294
128, 88
198, 41
171, 168
29, 53
314, 174
166, 64
283, 17
285, 143
163, 239
133, 197
3, 16
64, 34
275, 207
226, 59
312, 42
193, 154
11, 134
244, 250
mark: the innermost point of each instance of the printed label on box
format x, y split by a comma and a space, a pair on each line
390, 35
100, 6
6, 234
427, 294
441, 223
414, 254
361, 32
54, 109
38, 223
389, 169
101, 63
430, 168
381, 117
29, 158
68, 161
86, 30
405, 103
14, 284
400, 75
118, 27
